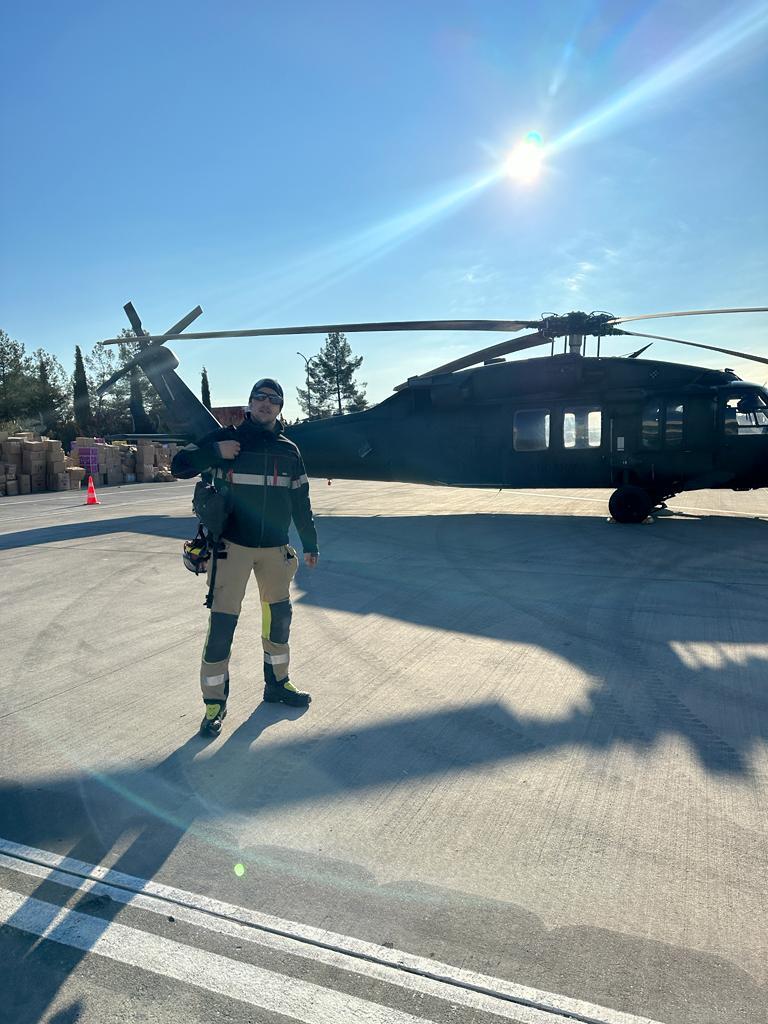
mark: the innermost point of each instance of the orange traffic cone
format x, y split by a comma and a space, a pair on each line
91, 499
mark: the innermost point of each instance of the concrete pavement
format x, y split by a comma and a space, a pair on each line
536, 751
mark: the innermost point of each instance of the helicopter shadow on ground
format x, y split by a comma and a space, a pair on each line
668, 620
627, 606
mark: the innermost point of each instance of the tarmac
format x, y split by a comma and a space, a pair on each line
531, 785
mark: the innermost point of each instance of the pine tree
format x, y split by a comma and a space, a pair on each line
314, 399
50, 396
205, 391
17, 380
331, 380
82, 399
111, 409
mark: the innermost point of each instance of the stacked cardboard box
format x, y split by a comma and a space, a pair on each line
30, 463
76, 476
9, 484
145, 462
56, 478
112, 473
33, 464
127, 461
86, 455
10, 465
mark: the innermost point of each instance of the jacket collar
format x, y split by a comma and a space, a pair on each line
251, 428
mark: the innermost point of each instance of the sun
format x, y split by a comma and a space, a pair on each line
524, 163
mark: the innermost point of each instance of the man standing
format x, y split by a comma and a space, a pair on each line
269, 487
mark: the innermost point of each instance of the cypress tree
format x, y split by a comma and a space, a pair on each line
82, 399
205, 390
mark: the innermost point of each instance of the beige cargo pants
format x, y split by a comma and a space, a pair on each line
274, 568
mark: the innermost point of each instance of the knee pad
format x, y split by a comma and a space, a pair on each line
276, 621
218, 643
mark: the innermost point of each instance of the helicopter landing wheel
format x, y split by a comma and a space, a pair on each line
630, 504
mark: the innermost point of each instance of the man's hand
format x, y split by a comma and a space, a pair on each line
310, 559
228, 449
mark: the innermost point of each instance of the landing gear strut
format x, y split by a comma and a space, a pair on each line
630, 504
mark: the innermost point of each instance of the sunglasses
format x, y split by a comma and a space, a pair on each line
262, 396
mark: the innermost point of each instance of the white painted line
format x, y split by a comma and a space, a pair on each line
301, 1000
496, 995
516, 1012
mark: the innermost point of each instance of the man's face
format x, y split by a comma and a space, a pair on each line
263, 410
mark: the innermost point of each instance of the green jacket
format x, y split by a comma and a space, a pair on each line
268, 483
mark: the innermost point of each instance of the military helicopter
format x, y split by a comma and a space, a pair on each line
646, 428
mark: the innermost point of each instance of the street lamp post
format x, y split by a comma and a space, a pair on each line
309, 393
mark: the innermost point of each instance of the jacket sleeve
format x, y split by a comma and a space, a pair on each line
301, 510
198, 457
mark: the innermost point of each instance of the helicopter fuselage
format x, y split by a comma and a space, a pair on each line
648, 429
557, 421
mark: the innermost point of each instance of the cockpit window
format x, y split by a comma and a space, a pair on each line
746, 414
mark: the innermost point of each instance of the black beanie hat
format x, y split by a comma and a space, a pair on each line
267, 382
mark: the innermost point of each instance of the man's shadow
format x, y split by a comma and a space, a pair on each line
154, 809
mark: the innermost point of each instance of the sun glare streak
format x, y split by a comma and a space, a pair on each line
327, 266
678, 70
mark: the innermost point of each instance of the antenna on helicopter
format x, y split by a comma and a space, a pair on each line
639, 351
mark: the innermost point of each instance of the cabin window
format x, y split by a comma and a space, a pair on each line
651, 426
673, 425
746, 414
531, 430
582, 428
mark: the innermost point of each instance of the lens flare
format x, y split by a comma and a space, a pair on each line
525, 162
719, 40
239, 870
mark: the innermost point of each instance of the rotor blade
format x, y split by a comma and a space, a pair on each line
696, 344
688, 312
390, 325
133, 316
502, 349
185, 321
177, 328
118, 375
134, 320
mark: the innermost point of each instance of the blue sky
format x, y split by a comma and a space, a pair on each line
295, 162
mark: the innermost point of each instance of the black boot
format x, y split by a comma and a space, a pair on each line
211, 723
286, 693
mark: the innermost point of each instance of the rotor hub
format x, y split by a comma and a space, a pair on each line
593, 325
